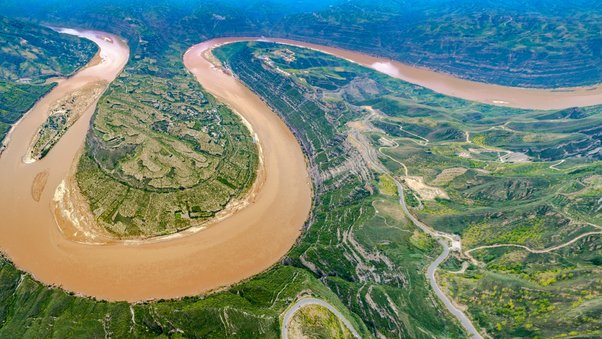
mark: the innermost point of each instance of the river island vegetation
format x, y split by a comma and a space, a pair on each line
30, 56
488, 174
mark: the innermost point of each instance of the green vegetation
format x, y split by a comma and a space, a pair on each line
496, 193
506, 184
375, 259
386, 185
359, 242
62, 115
31, 54
163, 156
315, 321
518, 294
518, 43
515, 42
251, 309
15, 100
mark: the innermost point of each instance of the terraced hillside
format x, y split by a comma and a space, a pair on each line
516, 43
358, 242
162, 156
250, 309
529, 43
522, 188
29, 55
472, 169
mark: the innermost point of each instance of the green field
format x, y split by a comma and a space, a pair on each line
162, 156
314, 321
30, 55
507, 189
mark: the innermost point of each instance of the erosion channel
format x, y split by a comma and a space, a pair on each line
232, 248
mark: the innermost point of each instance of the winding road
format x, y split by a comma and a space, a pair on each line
430, 273
528, 249
442, 238
232, 249
290, 312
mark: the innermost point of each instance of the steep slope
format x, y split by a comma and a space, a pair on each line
29, 55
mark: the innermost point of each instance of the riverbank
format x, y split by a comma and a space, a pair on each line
233, 249
447, 84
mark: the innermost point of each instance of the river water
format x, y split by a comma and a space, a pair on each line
517, 97
231, 249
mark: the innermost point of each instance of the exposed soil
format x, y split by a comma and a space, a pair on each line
238, 245
38, 185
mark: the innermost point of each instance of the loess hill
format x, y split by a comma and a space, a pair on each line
162, 156
29, 55
530, 43
490, 174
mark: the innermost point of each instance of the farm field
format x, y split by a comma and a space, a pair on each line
31, 56
160, 161
182, 169
471, 171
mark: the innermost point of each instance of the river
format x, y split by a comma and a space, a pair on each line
231, 249
447, 84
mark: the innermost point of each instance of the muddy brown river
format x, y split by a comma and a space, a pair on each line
231, 249
517, 97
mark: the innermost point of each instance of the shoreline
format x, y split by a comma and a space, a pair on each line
247, 239
450, 85
239, 246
